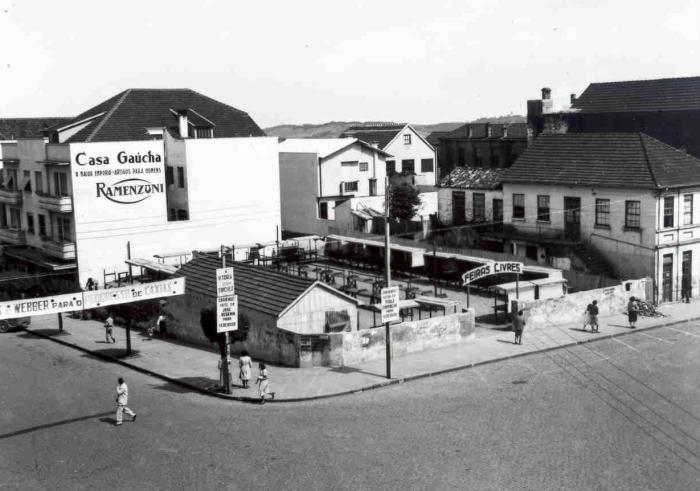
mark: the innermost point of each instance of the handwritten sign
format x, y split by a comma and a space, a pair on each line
390, 304
224, 282
491, 268
133, 293
227, 313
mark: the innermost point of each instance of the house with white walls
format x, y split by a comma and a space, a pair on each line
318, 175
412, 155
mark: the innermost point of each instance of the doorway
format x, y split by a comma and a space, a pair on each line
458, 208
686, 271
667, 279
497, 213
572, 218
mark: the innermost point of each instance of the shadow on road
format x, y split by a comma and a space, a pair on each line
51, 425
118, 353
108, 420
505, 341
202, 382
354, 370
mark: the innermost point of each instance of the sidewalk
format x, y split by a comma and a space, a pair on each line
196, 368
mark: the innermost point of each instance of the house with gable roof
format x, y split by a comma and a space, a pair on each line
628, 197
412, 154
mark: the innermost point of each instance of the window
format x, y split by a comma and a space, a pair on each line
15, 219
495, 160
182, 214
27, 178
3, 215
364, 166
30, 223
323, 211
171, 214
519, 206
372, 187
11, 179
38, 182
200, 132
63, 229
60, 184
408, 166
390, 166
687, 209
602, 212
633, 214
42, 225
426, 165
460, 157
180, 177
542, 208
479, 207
668, 211
169, 175
478, 156
406, 139
350, 186
352, 163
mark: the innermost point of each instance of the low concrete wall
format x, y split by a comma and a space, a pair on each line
570, 308
408, 337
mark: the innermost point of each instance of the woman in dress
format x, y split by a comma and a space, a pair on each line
632, 309
246, 365
264, 384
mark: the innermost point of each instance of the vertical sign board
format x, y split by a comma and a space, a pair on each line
118, 191
390, 304
226, 301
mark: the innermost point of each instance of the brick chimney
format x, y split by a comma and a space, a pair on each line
547, 102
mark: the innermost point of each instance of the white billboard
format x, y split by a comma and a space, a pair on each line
133, 293
41, 305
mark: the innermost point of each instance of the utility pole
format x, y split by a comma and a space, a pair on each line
434, 271
387, 272
227, 362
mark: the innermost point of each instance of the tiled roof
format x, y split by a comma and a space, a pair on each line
128, 114
257, 288
473, 178
14, 128
322, 146
381, 134
626, 160
667, 94
480, 131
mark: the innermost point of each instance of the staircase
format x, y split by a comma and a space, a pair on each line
595, 263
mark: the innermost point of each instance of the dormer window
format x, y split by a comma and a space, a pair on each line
203, 132
155, 133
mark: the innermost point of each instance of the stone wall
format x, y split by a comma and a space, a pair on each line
570, 308
408, 337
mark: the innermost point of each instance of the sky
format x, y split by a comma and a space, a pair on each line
308, 61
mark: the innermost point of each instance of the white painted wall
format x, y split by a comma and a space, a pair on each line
333, 173
418, 149
234, 197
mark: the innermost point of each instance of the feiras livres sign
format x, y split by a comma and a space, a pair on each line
491, 268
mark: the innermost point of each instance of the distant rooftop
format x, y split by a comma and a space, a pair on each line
499, 131
16, 128
321, 146
375, 133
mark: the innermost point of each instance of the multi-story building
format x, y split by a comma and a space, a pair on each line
330, 184
146, 172
412, 155
666, 109
481, 145
633, 198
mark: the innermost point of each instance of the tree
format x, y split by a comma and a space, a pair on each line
404, 202
207, 320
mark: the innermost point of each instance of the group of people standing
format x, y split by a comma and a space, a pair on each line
245, 364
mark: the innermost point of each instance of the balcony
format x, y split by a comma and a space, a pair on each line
59, 249
12, 236
10, 196
59, 204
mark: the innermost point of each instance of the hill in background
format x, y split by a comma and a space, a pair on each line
333, 129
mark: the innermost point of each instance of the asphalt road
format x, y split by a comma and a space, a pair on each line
616, 414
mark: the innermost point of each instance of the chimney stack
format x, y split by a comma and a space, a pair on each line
546, 93
573, 98
182, 123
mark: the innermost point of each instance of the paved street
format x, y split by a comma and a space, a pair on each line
618, 414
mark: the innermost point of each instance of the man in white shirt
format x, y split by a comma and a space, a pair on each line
122, 400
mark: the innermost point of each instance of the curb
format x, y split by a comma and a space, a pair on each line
387, 383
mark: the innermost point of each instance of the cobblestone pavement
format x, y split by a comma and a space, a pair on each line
621, 413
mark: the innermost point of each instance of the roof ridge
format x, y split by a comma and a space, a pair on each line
646, 80
108, 115
217, 101
646, 157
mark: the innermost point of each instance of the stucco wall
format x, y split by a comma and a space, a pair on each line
308, 316
570, 308
408, 337
333, 173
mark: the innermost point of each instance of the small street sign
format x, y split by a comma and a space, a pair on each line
491, 268
390, 304
227, 313
224, 282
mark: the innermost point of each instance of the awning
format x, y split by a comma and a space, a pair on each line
416, 253
53, 162
152, 265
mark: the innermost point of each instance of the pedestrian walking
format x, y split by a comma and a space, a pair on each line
632, 310
592, 310
264, 384
162, 328
109, 329
245, 364
587, 316
518, 326
685, 290
122, 401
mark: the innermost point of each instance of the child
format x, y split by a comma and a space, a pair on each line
264, 384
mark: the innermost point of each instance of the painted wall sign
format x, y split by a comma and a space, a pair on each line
134, 293
390, 304
227, 313
41, 305
491, 268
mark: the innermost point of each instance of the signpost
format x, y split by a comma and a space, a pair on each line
390, 304
226, 312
